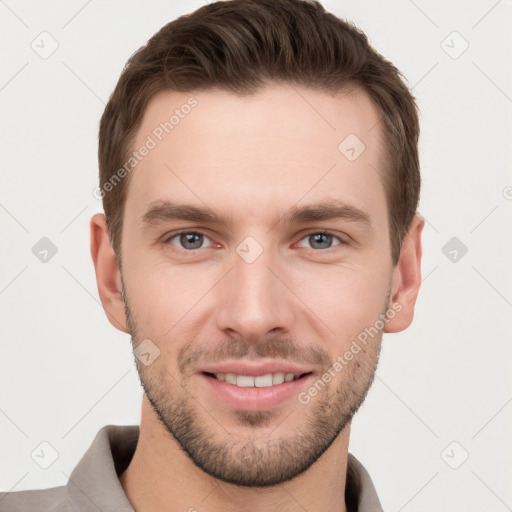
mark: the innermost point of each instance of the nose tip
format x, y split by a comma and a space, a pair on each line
253, 302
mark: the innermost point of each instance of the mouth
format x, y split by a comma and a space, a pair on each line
259, 381
254, 387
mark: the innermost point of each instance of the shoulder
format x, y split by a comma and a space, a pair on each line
54, 499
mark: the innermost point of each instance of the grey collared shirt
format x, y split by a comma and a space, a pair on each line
94, 483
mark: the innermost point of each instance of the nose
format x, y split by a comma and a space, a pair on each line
254, 301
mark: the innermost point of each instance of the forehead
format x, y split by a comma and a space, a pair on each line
257, 155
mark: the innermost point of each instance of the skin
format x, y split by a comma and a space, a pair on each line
253, 159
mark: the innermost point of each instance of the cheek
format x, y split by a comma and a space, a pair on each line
346, 299
166, 298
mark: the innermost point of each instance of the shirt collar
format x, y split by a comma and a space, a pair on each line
94, 483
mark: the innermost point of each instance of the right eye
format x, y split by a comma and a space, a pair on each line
189, 240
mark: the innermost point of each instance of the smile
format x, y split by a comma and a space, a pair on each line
260, 381
260, 391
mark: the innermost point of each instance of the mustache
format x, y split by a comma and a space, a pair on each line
276, 348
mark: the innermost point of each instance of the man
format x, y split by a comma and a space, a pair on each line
260, 179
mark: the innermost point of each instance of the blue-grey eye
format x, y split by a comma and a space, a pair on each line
189, 240
320, 241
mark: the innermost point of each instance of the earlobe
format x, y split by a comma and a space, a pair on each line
406, 279
108, 276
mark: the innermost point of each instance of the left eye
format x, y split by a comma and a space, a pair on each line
320, 241
189, 240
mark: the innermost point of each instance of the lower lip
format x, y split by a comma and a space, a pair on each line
254, 399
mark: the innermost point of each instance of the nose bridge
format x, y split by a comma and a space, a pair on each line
253, 301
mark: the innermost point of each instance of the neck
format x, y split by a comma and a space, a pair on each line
160, 474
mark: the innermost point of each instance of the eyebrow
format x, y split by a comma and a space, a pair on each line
163, 211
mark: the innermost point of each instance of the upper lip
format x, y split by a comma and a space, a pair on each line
255, 368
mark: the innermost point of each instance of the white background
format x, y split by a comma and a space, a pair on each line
66, 372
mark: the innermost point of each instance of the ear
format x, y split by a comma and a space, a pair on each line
108, 276
406, 279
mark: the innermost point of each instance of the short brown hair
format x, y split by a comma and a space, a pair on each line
242, 45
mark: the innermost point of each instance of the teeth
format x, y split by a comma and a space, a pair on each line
278, 378
243, 381
262, 381
230, 378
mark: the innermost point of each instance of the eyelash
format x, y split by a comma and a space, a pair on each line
168, 239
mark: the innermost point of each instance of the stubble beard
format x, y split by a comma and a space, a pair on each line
254, 459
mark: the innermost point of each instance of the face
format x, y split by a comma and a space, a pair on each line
255, 251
